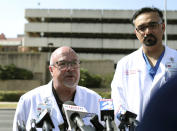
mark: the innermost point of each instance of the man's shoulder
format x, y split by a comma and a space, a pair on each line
132, 57
85, 90
170, 50
170, 53
38, 91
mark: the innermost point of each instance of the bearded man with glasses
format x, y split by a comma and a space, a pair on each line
140, 74
65, 71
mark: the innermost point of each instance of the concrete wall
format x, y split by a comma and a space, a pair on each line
98, 66
81, 28
78, 13
38, 64
22, 85
86, 28
85, 43
35, 62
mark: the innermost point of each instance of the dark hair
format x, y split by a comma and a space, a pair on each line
146, 10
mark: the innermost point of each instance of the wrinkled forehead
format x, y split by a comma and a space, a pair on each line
66, 56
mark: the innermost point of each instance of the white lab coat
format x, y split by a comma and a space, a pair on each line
132, 86
29, 102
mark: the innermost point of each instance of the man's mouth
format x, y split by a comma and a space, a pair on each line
150, 40
69, 76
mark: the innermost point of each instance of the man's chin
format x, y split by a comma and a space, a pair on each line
150, 41
70, 85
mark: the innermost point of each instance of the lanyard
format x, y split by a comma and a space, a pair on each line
60, 104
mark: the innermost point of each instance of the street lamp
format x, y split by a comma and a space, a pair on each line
165, 15
50, 45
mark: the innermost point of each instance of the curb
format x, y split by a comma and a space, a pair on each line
5, 105
6, 102
7, 108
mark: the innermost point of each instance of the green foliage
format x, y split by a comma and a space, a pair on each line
14, 96
9, 72
106, 80
10, 95
89, 80
106, 95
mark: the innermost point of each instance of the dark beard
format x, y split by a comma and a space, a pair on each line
150, 40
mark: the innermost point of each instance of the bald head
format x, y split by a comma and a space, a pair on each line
64, 50
65, 68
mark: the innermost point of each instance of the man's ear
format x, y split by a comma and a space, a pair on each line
163, 27
135, 31
51, 70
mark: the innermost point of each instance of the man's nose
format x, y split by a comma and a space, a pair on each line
148, 30
69, 66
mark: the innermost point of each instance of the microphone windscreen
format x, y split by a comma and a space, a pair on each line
68, 103
106, 108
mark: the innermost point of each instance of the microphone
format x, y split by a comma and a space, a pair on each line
127, 120
74, 115
107, 113
98, 126
21, 128
33, 125
62, 127
44, 121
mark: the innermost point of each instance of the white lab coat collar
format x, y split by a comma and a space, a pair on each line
55, 112
79, 97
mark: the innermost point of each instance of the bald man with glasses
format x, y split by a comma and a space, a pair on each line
65, 71
140, 74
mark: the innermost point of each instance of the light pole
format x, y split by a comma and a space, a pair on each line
165, 15
50, 45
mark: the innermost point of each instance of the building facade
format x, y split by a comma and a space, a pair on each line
10, 44
94, 34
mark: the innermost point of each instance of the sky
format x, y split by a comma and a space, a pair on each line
12, 12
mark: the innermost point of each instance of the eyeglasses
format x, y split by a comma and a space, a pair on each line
151, 26
62, 65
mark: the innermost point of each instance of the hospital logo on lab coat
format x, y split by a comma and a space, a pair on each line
131, 72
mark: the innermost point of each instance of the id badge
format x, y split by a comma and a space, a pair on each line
42, 106
171, 69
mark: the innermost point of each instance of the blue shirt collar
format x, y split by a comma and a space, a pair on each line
153, 70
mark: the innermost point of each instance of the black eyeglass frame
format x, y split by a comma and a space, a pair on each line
151, 25
65, 64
